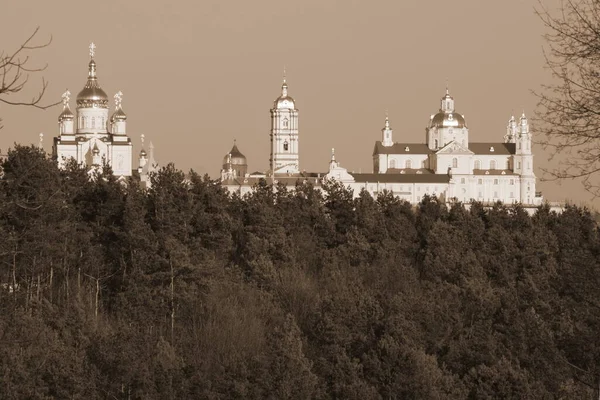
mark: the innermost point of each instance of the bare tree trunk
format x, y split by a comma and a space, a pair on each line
97, 295
50, 284
14, 275
172, 302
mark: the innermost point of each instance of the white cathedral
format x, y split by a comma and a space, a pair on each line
91, 138
447, 165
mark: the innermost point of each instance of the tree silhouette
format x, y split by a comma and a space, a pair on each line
15, 70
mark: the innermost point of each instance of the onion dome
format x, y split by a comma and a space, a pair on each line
447, 117
92, 94
284, 101
119, 114
66, 114
143, 153
234, 157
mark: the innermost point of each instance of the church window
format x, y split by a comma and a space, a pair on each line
480, 181
285, 146
495, 181
455, 162
286, 123
408, 164
493, 164
477, 164
480, 195
519, 165
512, 182
93, 122
495, 195
462, 180
392, 163
512, 195
435, 143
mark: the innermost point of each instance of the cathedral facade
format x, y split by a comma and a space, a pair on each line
447, 165
91, 137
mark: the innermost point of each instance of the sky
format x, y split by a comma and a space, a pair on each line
197, 75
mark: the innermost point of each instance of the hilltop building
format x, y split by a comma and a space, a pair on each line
91, 138
447, 164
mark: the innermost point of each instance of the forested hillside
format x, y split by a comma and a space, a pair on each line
112, 292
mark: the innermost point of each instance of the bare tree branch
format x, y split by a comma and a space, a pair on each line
15, 70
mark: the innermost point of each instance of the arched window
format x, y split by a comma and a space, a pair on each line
477, 164
455, 162
435, 142
286, 122
392, 163
285, 146
493, 164
93, 122
408, 164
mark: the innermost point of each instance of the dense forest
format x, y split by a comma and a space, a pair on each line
109, 291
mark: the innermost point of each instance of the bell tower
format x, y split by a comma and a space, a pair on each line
284, 134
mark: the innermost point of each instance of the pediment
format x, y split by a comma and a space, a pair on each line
454, 148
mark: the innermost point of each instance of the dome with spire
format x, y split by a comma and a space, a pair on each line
284, 101
66, 114
92, 94
447, 117
119, 114
234, 157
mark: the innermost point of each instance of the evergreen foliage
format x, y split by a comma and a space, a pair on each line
109, 291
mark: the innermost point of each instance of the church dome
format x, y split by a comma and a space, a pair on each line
447, 120
118, 115
92, 94
235, 157
447, 117
66, 113
284, 101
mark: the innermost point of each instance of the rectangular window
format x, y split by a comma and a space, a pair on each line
462, 180
512, 181
495, 195
495, 181
480, 181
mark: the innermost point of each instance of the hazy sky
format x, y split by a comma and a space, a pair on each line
195, 75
